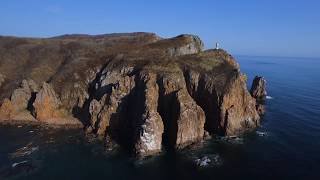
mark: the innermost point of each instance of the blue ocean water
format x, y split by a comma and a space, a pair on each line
286, 146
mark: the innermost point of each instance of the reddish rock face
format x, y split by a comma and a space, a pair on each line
137, 91
183, 119
46, 104
7, 110
190, 122
238, 109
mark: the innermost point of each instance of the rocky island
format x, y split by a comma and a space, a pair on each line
135, 90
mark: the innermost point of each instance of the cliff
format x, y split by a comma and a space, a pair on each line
136, 90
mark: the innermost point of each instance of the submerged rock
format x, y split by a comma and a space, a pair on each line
24, 151
204, 161
236, 140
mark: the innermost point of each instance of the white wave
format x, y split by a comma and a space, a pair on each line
269, 97
24, 151
17, 164
208, 160
260, 133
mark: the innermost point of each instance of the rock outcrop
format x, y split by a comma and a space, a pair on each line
46, 104
258, 88
138, 91
18, 106
259, 92
193, 45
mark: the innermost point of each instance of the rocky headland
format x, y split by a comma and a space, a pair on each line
135, 90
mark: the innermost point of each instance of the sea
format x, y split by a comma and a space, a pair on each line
286, 146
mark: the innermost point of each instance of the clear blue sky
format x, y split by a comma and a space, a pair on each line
248, 27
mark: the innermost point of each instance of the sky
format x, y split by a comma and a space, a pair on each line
242, 27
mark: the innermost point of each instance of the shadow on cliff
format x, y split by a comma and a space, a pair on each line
168, 108
126, 124
208, 99
82, 113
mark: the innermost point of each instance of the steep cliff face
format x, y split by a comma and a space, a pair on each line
182, 117
222, 94
136, 90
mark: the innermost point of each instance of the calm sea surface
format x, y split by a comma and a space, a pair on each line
287, 146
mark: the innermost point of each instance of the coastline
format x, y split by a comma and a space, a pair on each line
61, 124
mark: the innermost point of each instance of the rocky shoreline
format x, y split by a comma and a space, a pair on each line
136, 90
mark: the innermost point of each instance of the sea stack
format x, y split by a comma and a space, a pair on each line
258, 88
259, 92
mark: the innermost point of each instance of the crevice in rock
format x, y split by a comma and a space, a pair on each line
98, 120
226, 120
30, 106
125, 124
207, 98
168, 108
82, 113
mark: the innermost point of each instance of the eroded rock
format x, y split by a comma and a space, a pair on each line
16, 108
150, 126
46, 104
259, 92
238, 110
190, 121
21, 96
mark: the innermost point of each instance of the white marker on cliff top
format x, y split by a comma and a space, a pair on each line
217, 45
